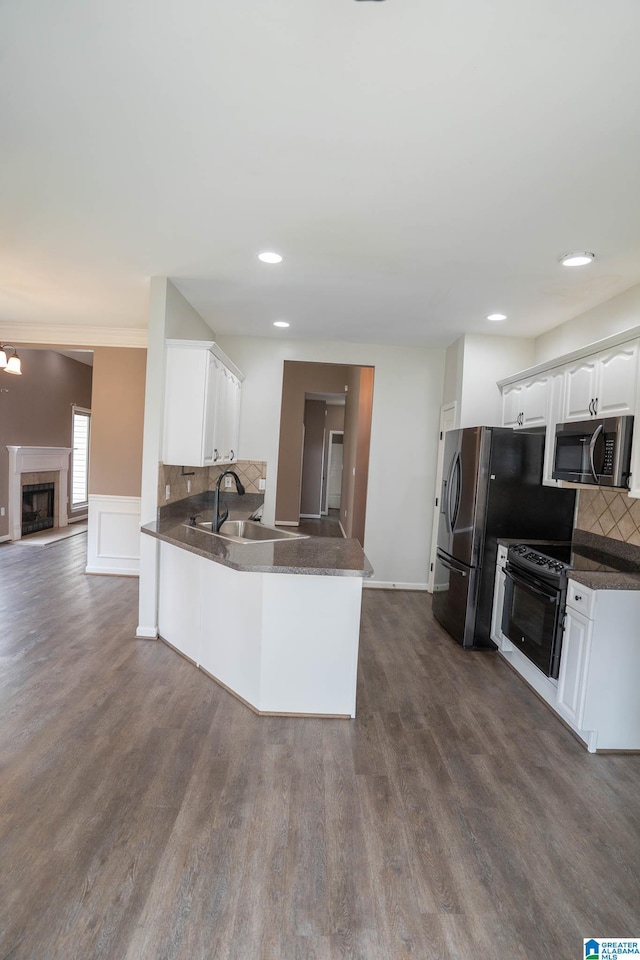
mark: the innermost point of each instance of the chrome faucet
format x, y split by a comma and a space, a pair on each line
218, 519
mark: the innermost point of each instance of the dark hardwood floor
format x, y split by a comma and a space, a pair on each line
328, 526
145, 814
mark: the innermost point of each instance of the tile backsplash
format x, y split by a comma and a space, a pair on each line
204, 478
609, 513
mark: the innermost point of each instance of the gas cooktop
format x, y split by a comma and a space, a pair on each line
555, 559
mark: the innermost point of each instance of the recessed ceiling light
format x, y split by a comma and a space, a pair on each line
270, 257
497, 316
580, 259
280, 323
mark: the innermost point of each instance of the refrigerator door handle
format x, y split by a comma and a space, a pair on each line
445, 506
457, 469
463, 573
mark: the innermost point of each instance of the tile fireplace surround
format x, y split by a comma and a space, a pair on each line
36, 460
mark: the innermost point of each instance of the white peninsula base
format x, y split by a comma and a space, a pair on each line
283, 643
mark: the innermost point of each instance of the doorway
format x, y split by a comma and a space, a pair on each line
308, 392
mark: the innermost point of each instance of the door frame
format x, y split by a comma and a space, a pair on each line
448, 421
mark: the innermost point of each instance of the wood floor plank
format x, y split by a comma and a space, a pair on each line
146, 814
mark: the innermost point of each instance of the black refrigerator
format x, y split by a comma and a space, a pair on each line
491, 488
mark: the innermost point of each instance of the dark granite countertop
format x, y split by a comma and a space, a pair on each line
323, 556
603, 553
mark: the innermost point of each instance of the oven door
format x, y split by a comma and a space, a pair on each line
531, 618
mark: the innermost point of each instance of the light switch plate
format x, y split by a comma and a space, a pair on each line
262, 484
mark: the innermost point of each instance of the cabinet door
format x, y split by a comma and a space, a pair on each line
212, 392
535, 395
233, 417
580, 389
617, 381
222, 416
574, 664
512, 405
555, 388
184, 406
179, 600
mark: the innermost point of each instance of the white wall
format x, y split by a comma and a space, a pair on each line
486, 360
404, 432
170, 315
474, 363
613, 316
182, 321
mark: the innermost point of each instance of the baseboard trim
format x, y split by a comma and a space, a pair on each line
110, 571
286, 523
147, 633
311, 516
384, 585
5, 539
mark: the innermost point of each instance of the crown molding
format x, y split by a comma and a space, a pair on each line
71, 335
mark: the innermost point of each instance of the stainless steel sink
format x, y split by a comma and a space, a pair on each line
248, 531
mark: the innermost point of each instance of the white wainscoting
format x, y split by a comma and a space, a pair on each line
113, 545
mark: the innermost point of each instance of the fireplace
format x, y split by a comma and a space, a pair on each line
37, 466
37, 507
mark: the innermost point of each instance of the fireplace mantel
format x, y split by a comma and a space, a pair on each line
36, 460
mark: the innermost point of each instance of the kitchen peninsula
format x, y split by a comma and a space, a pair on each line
277, 624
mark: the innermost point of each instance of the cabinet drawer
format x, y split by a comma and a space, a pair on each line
581, 598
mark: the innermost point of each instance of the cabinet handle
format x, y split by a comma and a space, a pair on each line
231, 455
595, 406
216, 455
577, 597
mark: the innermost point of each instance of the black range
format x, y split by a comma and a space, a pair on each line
536, 578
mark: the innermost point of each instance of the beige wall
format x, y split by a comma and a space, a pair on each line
312, 459
116, 422
357, 438
35, 409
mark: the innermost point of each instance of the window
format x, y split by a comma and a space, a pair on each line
80, 457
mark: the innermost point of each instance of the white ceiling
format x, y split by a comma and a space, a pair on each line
419, 163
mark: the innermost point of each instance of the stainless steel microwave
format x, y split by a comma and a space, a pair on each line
594, 451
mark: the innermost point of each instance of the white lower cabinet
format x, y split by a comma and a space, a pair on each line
572, 682
180, 600
283, 643
597, 691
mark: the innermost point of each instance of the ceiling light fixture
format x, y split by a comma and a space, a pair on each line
497, 316
580, 259
280, 323
11, 365
270, 257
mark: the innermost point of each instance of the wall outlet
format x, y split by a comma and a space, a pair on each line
227, 482
167, 491
1, 511
188, 486
262, 484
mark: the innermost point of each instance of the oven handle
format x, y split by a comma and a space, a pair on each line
529, 586
592, 446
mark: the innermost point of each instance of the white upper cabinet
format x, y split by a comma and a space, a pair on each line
603, 385
202, 405
525, 404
